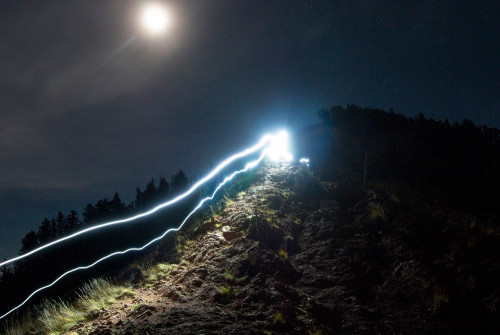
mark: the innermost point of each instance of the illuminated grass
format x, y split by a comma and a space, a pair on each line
57, 316
100, 294
23, 326
155, 272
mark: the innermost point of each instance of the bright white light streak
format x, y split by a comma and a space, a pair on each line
304, 160
226, 180
265, 139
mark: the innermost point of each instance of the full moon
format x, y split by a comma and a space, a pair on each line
155, 19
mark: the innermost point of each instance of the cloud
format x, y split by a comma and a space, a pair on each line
66, 55
91, 79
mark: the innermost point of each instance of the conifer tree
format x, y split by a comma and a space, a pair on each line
44, 231
72, 222
29, 242
179, 182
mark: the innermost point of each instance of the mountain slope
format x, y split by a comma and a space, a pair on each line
294, 255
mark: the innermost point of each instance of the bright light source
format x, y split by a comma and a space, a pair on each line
278, 149
304, 160
274, 146
155, 18
249, 166
260, 145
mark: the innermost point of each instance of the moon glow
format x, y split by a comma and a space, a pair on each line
155, 19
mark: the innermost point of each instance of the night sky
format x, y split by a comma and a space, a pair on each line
90, 105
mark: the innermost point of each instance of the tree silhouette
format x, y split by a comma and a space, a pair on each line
29, 242
30, 273
163, 189
149, 195
139, 198
116, 207
72, 223
61, 228
45, 231
89, 214
461, 160
105, 209
179, 182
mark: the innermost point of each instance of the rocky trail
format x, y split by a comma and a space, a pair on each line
288, 255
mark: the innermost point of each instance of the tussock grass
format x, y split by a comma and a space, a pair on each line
57, 316
19, 326
154, 273
227, 201
100, 294
182, 243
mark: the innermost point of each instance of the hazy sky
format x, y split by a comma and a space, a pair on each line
89, 105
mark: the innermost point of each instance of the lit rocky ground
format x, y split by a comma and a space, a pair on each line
291, 255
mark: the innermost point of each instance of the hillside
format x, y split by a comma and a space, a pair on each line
393, 228
294, 255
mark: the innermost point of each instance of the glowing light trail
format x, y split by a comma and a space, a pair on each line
226, 180
265, 140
